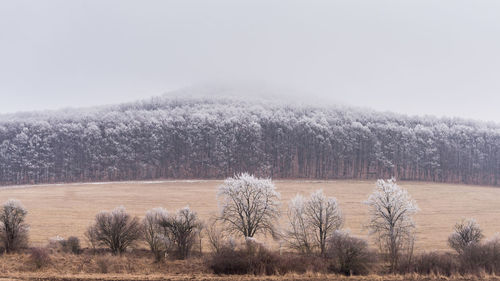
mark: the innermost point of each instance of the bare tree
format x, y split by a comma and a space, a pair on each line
466, 233
13, 229
391, 211
249, 205
217, 238
298, 236
312, 220
324, 215
182, 229
154, 233
90, 237
116, 229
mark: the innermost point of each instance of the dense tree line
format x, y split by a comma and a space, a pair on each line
216, 138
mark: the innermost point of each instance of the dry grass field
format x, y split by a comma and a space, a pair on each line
67, 210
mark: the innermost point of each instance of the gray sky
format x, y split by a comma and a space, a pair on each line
417, 57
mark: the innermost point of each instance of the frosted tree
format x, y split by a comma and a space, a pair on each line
13, 229
391, 211
324, 215
249, 205
298, 235
312, 220
466, 233
153, 232
182, 229
213, 138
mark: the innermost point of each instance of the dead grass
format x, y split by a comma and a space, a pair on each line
211, 277
67, 210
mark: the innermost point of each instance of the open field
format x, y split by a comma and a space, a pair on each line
67, 210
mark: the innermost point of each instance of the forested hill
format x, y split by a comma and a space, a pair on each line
215, 138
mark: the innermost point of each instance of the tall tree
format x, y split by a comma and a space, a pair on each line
391, 219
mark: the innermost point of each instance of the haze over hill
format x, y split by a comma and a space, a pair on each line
416, 57
217, 137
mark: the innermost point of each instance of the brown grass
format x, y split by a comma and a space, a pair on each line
67, 210
137, 266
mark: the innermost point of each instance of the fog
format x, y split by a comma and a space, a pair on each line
416, 57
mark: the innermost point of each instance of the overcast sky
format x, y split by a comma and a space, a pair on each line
417, 57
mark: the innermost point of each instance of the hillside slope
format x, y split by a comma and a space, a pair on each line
217, 137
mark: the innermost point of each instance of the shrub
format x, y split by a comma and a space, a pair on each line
250, 258
254, 258
216, 237
349, 255
492, 266
39, 257
71, 245
481, 257
229, 261
103, 264
432, 263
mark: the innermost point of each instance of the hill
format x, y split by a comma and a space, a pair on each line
209, 138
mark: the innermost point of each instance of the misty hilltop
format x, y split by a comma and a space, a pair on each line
201, 137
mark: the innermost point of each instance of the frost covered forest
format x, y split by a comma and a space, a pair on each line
183, 138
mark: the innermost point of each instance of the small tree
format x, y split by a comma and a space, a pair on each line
154, 233
466, 233
249, 205
298, 235
13, 229
216, 236
312, 220
391, 211
90, 236
116, 230
182, 230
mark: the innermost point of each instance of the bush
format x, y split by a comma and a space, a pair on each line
475, 258
481, 257
492, 265
39, 257
349, 255
432, 263
252, 258
103, 264
71, 245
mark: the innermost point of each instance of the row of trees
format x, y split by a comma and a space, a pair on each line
248, 206
217, 138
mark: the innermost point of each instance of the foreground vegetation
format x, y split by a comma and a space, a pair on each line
139, 264
313, 242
